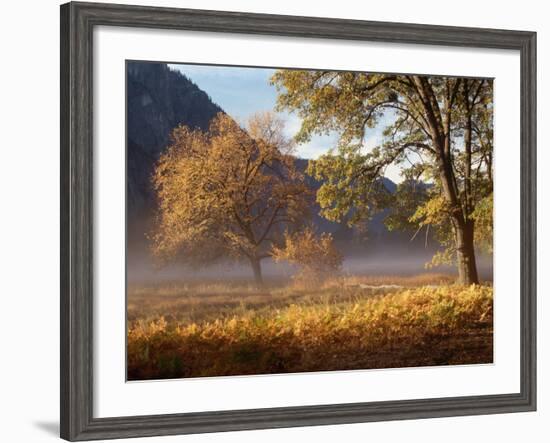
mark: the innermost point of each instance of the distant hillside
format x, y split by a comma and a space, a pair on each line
375, 236
159, 99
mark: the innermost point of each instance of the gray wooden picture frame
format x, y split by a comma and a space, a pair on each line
77, 23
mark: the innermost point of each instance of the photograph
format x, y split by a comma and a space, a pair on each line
243, 222
284, 220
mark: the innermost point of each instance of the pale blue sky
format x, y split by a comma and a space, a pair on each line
242, 92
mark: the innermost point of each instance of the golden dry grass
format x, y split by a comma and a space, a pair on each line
207, 330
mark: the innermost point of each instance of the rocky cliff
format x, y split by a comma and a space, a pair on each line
158, 99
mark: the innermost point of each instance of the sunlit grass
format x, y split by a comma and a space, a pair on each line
340, 325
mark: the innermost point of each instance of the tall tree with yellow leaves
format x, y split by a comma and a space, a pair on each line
227, 193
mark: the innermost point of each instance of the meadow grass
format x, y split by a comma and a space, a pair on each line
219, 329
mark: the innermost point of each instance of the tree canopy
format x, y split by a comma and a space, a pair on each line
438, 130
229, 192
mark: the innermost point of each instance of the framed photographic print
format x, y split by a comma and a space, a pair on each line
273, 221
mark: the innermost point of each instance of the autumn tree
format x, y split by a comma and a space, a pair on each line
315, 255
227, 193
437, 129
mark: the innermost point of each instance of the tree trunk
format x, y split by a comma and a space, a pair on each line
257, 269
463, 229
465, 253
464, 233
440, 133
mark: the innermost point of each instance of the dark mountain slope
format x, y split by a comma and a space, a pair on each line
158, 99
374, 236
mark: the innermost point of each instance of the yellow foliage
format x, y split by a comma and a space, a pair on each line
316, 255
225, 192
403, 328
483, 218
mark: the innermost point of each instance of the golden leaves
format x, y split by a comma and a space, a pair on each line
305, 336
316, 255
227, 192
